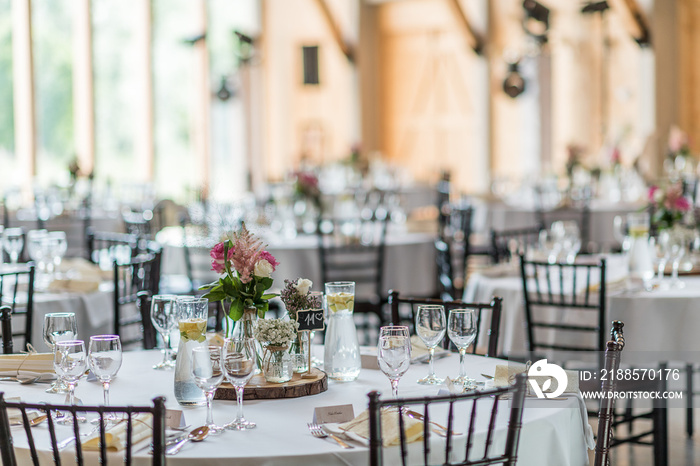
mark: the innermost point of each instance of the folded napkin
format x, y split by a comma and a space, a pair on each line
390, 427
505, 269
116, 436
15, 415
83, 268
419, 352
76, 285
28, 364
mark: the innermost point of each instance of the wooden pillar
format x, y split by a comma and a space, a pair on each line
83, 86
368, 71
202, 102
23, 88
665, 43
144, 140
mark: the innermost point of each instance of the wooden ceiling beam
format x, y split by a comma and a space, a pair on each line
335, 31
633, 18
472, 38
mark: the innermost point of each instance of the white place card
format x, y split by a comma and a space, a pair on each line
174, 419
328, 414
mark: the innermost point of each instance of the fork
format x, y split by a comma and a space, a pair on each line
318, 432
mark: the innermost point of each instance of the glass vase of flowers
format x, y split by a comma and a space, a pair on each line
297, 296
668, 206
246, 269
275, 335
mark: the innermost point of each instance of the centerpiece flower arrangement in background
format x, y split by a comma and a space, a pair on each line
247, 268
297, 296
275, 335
306, 186
669, 205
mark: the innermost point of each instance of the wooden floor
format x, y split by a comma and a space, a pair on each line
683, 451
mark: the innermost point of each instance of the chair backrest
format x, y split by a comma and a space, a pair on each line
579, 212
514, 240
12, 294
106, 247
353, 250
140, 274
7, 453
463, 406
453, 248
494, 308
138, 223
6, 329
564, 298
607, 405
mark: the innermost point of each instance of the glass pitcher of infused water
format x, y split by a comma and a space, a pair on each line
341, 349
639, 253
192, 323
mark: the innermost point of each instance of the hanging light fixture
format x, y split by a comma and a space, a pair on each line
514, 84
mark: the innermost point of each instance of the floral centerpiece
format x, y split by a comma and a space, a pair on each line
297, 296
669, 205
276, 334
247, 268
306, 186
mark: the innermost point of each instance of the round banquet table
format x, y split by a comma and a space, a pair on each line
409, 265
663, 322
552, 432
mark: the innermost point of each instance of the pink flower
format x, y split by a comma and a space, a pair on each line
217, 256
264, 255
682, 204
677, 139
652, 191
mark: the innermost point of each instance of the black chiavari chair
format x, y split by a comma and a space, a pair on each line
132, 415
105, 246
6, 329
20, 301
518, 240
140, 274
458, 406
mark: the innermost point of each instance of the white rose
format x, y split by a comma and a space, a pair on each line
263, 269
659, 196
303, 285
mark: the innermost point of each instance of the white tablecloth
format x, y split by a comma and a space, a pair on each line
552, 431
409, 266
660, 321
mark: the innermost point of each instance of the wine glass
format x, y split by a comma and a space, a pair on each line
164, 318
239, 367
674, 247
461, 328
70, 362
13, 241
206, 369
59, 246
59, 326
661, 256
430, 327
105, 359
394, 354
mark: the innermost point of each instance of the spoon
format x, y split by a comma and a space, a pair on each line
197, 435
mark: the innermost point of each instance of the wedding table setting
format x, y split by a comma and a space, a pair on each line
277, 353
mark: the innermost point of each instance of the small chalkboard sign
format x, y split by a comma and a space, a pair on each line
310, 320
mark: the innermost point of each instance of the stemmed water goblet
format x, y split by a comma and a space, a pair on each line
430, 327
70, 362
239, 367
13, 241
59, 326
59, 245
206, 369
105, 359
164, 318
394, 354
461, 328
673, 245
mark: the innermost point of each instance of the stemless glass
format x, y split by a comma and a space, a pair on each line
394, 354
164, 318
206, 369
239, 367
13, 241
59, 326
430, 327
105, 359
461, 328
70, 362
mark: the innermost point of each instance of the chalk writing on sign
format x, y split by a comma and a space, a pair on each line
311, 319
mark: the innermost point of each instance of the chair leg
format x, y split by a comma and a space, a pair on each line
689, 427
660, 441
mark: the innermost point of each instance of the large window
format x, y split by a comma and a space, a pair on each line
53, 84
116, 72
7, 126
